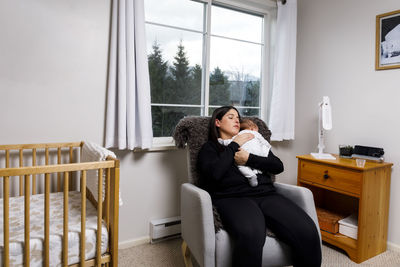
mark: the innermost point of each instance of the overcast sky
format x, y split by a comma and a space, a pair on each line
229, 55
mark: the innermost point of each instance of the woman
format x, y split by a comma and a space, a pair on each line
246, 211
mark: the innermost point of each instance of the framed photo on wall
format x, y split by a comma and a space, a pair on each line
387, 54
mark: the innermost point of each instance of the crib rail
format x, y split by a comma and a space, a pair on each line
107, 209
56, 168
44, 145
32, 150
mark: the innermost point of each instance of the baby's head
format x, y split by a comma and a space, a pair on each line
247, 124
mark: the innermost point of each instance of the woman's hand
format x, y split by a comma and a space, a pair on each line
241, 157
243, 138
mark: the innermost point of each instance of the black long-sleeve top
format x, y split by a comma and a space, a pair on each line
220, 176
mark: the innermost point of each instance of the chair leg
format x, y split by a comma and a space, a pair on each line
186, 255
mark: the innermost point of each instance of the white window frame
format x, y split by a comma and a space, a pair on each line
265, 8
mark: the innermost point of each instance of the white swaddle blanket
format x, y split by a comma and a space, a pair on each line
94, 152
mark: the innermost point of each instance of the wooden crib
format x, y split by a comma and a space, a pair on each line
60, 173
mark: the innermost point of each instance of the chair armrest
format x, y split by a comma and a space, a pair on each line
302, 196
198, 223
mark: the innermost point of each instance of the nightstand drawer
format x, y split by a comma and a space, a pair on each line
347, 180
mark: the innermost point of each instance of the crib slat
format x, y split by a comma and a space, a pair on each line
83, 218
65, 239
71, 160
107, 199
33, 175
6, 218
58, 173
46, 156
114, 213
71, 154
21, 164
99, 215
7, 158
26, 221
47, 220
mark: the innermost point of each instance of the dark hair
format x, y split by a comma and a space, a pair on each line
213, 132
246, 123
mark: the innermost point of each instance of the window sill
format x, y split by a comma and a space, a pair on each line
156, 149
159, 144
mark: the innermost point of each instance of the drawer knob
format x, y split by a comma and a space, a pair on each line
326, 176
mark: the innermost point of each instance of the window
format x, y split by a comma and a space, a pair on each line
199, 62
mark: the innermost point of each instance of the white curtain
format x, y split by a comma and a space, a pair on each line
282, 108
128, 118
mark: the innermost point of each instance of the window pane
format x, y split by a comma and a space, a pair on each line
181, 13
242, 111
166, 118
235, 69
235, 24
175, 60
174, 65
249, 112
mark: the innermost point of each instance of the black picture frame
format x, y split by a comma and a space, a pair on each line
387, 54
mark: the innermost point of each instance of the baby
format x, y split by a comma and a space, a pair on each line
257, 146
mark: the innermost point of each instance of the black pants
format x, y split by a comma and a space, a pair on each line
246, 219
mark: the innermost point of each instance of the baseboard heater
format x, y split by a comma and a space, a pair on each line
163, 229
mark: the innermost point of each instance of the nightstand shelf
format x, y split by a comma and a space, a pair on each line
342, 187
341, 241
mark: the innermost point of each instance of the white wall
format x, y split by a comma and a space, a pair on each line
336, 57
53, 73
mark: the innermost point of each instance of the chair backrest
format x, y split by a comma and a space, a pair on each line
193, 133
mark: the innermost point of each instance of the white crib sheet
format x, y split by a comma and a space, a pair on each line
56, 229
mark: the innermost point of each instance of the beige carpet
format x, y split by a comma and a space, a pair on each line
168, 254
163, 254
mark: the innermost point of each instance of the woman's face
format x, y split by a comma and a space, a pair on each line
229, 124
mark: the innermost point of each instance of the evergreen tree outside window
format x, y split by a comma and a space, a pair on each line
192, 70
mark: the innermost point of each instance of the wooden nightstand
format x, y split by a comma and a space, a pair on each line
342, 187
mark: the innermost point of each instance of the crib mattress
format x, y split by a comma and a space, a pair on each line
56, 229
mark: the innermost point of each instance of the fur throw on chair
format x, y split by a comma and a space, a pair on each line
193, 133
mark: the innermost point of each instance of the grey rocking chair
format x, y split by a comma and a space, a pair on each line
202, 232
